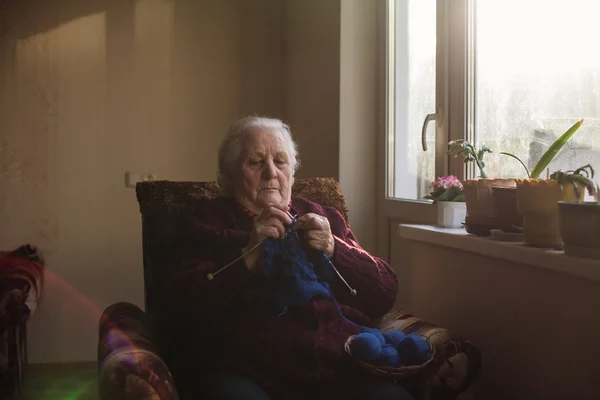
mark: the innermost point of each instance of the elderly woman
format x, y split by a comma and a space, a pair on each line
224, 337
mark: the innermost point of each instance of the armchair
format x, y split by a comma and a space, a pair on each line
21, 285
130, 364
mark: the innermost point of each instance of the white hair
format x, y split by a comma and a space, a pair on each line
229, 152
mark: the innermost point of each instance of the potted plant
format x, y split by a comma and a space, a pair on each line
548, 156
547, 192
508, 218
447, 193
538, 200
579, 222
481, 209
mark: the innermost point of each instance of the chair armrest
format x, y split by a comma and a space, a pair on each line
129, 366
457, 362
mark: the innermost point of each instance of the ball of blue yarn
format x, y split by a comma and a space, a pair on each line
414, 350
375, 332
366, 347
389, 357
393, 337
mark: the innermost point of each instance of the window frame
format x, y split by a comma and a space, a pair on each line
454, 59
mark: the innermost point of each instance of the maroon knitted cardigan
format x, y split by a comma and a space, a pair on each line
231, 321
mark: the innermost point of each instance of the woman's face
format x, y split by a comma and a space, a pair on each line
266, 176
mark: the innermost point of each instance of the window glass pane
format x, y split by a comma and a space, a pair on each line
414, 97
537, 71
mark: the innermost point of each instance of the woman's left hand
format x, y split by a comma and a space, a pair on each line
317, 232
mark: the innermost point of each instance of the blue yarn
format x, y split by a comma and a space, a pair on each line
366, 347
297, 282
414, 349
375, 332
393, 337
389, 356
296, 278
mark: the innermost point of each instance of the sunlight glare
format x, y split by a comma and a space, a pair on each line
544, 35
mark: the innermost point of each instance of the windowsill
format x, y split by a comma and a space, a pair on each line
515, 252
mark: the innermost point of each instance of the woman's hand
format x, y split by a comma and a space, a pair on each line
317, 233
268, 224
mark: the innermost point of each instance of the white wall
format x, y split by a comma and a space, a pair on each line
92, 89
358, 116
536, 328
330, 98
311, 82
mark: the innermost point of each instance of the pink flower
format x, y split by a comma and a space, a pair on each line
446, 182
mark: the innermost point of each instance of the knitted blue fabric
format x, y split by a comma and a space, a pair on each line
296, 279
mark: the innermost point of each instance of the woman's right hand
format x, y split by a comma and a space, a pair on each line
270, 223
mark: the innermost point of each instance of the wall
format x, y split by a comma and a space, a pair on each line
90, 89
358, 116
329, 98
536, 328
311, 82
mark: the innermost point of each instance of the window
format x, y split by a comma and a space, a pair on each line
510, 74
412, 94
537, 71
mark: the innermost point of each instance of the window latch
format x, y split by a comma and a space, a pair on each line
428, 119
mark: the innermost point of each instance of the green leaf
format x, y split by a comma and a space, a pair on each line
577, 181
589, 184
519, 160
588, 170
460, 197
554, 149
450, 194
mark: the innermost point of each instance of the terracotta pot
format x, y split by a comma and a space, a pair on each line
579, 225
481, 209
507, 215
537, 201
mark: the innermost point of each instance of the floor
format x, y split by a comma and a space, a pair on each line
61, 382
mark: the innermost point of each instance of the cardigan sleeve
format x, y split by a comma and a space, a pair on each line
373, 279
203, 249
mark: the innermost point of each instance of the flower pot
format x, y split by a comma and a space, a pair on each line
481, 209
579, 225
537, 201
451, 214
508, 218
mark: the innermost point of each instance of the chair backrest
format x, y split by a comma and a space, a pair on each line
164, 203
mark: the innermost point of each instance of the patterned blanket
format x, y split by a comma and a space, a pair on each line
21, 280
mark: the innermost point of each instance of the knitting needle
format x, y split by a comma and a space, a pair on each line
352, 291
210, 276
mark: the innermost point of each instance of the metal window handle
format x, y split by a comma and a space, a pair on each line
428, 119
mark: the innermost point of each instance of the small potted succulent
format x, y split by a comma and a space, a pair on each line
447, 193
579, 222
481, 209
538, 203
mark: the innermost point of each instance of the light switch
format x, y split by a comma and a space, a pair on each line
148, 177
132, 178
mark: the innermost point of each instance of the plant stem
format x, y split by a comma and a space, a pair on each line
481, 173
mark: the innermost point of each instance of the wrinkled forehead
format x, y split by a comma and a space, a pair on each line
264, 141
